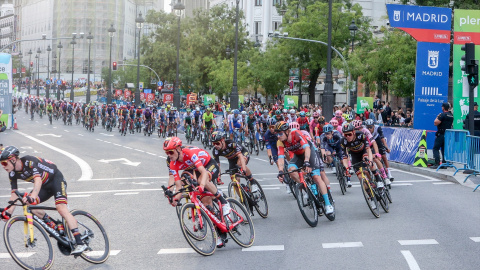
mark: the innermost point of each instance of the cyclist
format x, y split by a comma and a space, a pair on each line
47, 181
303, 121
147, 119
358, 146
316, 125
49, 108
252, 125
339, 117
381, 142
330, 146
304, 155
271, 143
188, 120
234, 122
207, 118
172, 120
335, 125
236, 154
278, 116
197, 116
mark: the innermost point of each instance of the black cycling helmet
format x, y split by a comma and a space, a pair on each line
348, 128
9, 152
216, 136
281, 126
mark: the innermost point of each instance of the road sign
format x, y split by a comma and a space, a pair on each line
160, 83
59, 82
141, 85
48, 82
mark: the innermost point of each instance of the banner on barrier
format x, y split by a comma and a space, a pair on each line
403, 143
364, 103
208, 99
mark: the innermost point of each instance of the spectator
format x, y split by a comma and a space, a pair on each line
408, 119
443, 122
366, 114
376, 103
371, 115
387, 109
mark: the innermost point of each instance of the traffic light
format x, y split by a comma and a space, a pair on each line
469, 49
473, 76
114, 65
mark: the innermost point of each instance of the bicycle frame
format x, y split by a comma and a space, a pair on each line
47, 228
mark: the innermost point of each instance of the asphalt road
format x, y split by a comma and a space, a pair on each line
431, 224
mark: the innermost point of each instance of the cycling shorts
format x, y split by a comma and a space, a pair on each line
208, 124
381, 147
56, 188
232, 163
338, 150
212, 169
357, 157
315, 162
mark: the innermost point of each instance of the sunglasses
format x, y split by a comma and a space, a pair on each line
348, 134
280, 134
216, 143
4, 163
315, 117
170, 153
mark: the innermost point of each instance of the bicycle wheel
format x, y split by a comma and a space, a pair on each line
331, 216
389, 196
341, 178
370, 198
31, 255
93, 235
306, 204
195, 224
382, 198
261, 204
236, 191
243, 234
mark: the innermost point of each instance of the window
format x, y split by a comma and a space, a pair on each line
258, 28
277, 2
276, 26
258, 3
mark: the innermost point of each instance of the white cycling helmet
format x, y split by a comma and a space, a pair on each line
284, 111
244, 113
292, 111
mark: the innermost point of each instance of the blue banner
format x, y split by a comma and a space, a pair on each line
407, 16
431, 82
403, 143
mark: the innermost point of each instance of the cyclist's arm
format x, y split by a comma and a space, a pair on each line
281, 156
203, 179
37, 185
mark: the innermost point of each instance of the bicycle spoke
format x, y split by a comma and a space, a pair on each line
244, 233
198, 229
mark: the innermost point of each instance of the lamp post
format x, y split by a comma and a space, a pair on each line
38, 71
89, 39
139, 21
54, 72
47, 93
353, 94
328, 101
234, 94
72, 88
111, 34
29, 70
179, 9
59, 46
20, 55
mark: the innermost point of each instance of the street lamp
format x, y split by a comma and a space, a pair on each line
54, 72
72, 88
179, 9
353, 96
139, 21
328, 100
20, 55
29, 70
234, 94
89, 39
111, 34
38, 71
48, 71
59, 46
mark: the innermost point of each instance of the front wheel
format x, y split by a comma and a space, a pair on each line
236, 192
306, 204
36, 254
243, 233
370, 198
93, 235
261, 204
195, 222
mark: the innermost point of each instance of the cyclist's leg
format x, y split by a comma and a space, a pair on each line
294, 164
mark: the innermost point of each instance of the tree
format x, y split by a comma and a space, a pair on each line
464, 4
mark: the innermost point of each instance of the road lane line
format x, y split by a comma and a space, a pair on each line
87, 172
264, 248
127, 147
112, 252
342, 245
100, 252
150, 153
261, 159
20, 255
172, 251
444, 183
113, 191
270, 188
80, 134
79, 196
127, 178
139, 150
127, 193
475, 239
116, 144
418, 242
412, 263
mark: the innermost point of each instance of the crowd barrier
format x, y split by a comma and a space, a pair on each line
473, 156
455, 150
403, 143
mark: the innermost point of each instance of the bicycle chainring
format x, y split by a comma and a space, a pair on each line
66, 250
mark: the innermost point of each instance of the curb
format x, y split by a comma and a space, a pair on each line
432, 173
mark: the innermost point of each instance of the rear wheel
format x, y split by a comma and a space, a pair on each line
236, 191
243, 233
306, 204
341, 177
195, 222
260, 199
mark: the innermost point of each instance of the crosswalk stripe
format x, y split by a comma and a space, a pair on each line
475, 239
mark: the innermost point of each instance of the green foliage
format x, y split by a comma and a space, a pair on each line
461, 4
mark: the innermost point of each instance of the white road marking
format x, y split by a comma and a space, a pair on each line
151, 153
412, 263
261, 159
124, 161
265, 173
53, 135
79, 196
223, 161
87, 172
80, 135
109, 135
127, 147
342, 245
127, 178
99, 140
100, 252
20, 254
114, 191
116, 144
393, 185
66, 130
475, 239
264, 248
175, 251
139, 150
126, 193
416, 181
444, 183
112, 252
418, 242
270, 188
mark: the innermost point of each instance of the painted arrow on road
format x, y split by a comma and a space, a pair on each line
53, 135
125, 161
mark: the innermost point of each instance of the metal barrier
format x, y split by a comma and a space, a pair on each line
456, 142
473, 156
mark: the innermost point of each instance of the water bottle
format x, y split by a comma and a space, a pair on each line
314, 189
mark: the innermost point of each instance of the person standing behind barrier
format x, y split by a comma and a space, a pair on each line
476, 120
443, 122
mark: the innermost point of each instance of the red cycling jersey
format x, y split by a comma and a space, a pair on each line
193, 158
302, 121
296, 146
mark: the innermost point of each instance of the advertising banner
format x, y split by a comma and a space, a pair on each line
150, 97
294, 74
403, 143
127, 93
191, 98
208, 99
167, 98
6, 87
466, 29
290, 102
142, 96
118, 92
364, 103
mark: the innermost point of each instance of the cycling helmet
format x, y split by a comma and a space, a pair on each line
369, 122
244, 113
189, 110
292, 111
327, 128
236, 111
265, 112
281, 126
357, 124
321, 120
250, 112
168, 106
315, 114
272, 121
302, 114
294, 125
278, 112
334, 122
348, 128
174, 108
147, 109
284, 111
172, 143
348, 118
216, 136
9, 152
338, 113
209, 109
